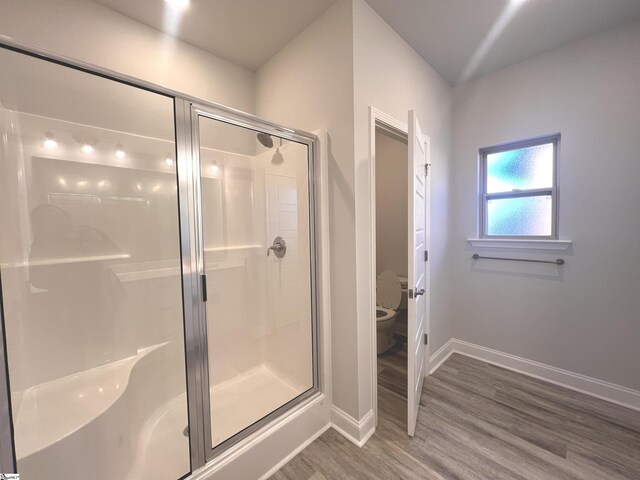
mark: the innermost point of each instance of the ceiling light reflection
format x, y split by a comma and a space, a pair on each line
490, 39
120, 153
178, 4
50, 142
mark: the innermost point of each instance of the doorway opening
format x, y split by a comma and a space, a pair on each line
399, 273
391, 254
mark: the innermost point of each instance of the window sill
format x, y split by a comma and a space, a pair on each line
520, 243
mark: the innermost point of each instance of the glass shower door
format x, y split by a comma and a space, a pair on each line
257, 258
91, 277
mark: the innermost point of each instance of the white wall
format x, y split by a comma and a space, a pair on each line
309, 84
391, 203
97, 35
583, 317
391, 76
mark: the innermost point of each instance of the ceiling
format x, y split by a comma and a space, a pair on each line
454, 37
245, 32
460, 39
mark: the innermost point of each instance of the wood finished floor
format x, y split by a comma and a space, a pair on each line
480, 422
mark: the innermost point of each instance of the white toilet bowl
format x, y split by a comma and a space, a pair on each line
388, 299
385, 320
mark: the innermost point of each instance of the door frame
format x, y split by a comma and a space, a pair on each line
198, 362
379, 119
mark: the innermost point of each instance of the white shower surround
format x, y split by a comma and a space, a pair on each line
271, 368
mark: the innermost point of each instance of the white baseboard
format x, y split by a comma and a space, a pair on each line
610, 392
357, 432
441, 356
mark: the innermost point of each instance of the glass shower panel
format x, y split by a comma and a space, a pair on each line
91, 278
255, 195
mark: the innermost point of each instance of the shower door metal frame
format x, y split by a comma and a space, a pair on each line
8, 461
251, 122
188, 179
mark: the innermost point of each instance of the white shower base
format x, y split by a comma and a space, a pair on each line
161, 453
235, 404
159, 450
242, 401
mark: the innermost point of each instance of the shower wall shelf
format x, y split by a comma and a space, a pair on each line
136, 276
231, 248
65, 260
164, 272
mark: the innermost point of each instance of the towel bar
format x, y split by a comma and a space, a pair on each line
558, 261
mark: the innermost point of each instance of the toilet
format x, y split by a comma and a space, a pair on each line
389, 297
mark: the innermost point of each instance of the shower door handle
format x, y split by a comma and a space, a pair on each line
420, 292
203, 282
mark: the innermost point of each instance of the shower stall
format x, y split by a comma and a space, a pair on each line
158, 274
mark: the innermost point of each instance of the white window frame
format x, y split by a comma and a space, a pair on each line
484, 197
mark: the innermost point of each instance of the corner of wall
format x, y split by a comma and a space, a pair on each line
356, 431
309, 84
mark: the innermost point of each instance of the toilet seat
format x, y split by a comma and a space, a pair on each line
388, 313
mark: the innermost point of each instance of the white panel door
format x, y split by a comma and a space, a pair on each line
417, 271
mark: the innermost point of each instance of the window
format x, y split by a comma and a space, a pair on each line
518, 189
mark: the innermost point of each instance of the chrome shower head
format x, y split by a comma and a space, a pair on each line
265, 139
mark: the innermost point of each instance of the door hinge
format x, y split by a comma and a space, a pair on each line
426, 169
426, 339
426, 255
411, 293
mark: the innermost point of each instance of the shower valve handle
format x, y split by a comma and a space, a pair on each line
276, 247
279, 247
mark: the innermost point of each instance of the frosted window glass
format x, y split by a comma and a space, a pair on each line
519, 216
521, 169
